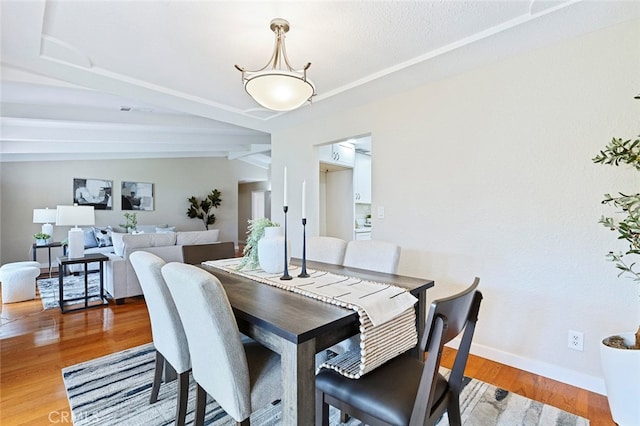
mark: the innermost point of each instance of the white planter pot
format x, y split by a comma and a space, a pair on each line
621, 368
271, 250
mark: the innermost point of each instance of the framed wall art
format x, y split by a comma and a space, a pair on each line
137, 196
93, 192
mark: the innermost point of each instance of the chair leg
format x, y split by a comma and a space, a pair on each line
322, 410
453, 411
245, 422
183, 395
157, 377
201, 405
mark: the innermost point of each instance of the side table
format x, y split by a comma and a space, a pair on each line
47, 246
86, 259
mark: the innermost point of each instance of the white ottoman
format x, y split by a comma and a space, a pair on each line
19, 281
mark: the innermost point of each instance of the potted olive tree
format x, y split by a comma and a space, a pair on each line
620, 354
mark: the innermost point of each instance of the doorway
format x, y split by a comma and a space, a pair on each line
345, 188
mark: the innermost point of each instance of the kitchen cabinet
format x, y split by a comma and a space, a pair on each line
342, 154
362, 179
362, 234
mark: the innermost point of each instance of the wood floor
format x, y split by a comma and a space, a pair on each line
36, 345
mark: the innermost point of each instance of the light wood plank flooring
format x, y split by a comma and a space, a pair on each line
35, 345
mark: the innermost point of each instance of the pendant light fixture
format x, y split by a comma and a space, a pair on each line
277, 86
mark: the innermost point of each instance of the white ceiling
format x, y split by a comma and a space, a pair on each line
68, 67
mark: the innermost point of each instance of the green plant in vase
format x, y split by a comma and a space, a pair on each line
41, 238
254, 232
627, 224
620, 353
131, 222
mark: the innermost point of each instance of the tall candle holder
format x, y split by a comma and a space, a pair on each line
303, 272
285, 274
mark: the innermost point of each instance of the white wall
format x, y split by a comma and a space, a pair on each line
28, 185
489, 174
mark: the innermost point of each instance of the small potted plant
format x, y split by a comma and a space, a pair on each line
255, 232
42, 239
131, 224
620, 354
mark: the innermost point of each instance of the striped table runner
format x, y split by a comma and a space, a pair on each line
386, 313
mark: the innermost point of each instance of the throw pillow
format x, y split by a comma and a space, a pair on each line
89, 238
165, 229
103, 236
118, 244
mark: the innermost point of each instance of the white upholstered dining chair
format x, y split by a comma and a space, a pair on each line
326, 249
241, 376
169, 338
374, 255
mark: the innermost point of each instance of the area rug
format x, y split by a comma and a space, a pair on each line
115, 389
73, 287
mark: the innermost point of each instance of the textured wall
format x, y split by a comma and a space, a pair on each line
489, 173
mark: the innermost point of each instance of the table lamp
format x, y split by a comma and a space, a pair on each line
45, 216
75, 216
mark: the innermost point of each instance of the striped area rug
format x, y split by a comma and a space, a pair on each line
73, 287
115, 389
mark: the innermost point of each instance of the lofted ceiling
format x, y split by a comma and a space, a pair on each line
145, 79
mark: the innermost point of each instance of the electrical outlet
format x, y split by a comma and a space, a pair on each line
576, 340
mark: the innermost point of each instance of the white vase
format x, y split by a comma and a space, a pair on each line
271, 250
621, 368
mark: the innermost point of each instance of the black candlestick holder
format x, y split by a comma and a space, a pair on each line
303, 272
285, 274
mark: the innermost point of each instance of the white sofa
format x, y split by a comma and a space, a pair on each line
98, 239
120, 278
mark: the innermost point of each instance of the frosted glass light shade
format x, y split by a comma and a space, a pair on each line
279, 90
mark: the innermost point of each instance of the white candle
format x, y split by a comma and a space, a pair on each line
304, 198
285, 186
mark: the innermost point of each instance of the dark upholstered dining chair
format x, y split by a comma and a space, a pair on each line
241, 376
168, 334
198, 253
406, 391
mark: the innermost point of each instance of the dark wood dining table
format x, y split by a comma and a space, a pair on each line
297, 327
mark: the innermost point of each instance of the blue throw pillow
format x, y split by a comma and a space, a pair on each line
103, 236
89, 238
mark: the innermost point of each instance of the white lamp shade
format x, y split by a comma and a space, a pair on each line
279, 90
75, 216
44, 215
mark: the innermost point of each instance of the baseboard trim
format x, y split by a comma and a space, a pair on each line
563, 375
